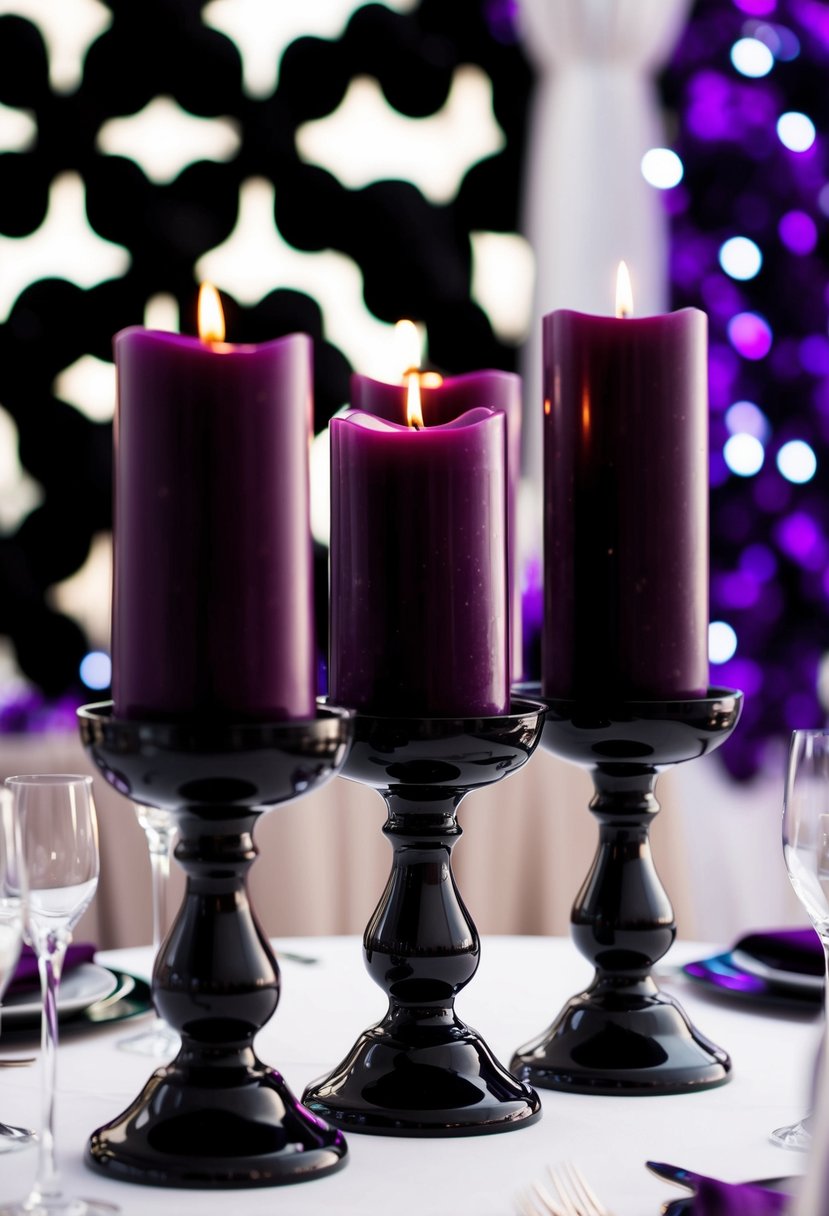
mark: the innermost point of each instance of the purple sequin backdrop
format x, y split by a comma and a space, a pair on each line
768, 336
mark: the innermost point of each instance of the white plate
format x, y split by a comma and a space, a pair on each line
81, 986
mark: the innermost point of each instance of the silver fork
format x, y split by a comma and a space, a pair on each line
573, 1196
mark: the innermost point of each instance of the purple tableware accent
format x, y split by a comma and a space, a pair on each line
724, 973
26, 978
715, 1198
796, 950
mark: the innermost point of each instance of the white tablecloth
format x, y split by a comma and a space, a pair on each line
520, 986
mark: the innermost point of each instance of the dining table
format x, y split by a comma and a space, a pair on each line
521, 984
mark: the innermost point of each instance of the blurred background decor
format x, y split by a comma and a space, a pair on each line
334, 167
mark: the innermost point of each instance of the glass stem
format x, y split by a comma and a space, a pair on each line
50, 966
159, 845
811, 1198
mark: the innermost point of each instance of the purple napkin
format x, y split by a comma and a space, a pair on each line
797, 950
714, 1198
26, 979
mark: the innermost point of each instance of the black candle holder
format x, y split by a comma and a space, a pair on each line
421, 1071
216, 1116
623, 1035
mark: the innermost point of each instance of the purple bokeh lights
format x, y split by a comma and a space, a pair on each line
757, 8
769, 341
798, 232
749, 334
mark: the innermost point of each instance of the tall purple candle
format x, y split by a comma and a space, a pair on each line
496, 390
419, 597
625, 506
212, 592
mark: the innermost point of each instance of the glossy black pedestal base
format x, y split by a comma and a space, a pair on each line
406, 1086
216, 1116
616, 1039
183, 1131
421, 1071
622, 1035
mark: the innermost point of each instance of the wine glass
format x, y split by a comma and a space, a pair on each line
59, 836
806, 851
158, 1040
12, 903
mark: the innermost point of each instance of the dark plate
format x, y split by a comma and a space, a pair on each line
130, 998
738, 974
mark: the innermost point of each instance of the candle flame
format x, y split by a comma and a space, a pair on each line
624, 292
414, 410
211, 314
408, 342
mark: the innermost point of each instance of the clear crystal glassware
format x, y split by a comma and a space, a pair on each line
12, 908
806, 852
59, 837
158, 1040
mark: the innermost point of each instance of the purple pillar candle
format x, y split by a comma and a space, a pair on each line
419, 597
625, 506
492, 389
212, 590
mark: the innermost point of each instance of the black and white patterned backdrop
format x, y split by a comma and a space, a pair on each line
331, 167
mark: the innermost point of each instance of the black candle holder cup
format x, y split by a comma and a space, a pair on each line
421, 1071
623, 1035
216, 1116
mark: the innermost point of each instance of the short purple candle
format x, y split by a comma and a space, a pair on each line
625, 506
493, 389
419, 595
212, 590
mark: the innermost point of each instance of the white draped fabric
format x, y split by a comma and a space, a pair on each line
527, 845
586, 204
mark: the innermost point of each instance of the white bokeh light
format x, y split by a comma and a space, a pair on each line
19, 492
63, 247
722, 642
365, 140
320, 470
503, 272
163, 139
740, 258
85, 595
256, 260
748, 417
18, 129
744, 455
796, 461
662, 168
96, 669
751, 57
88, 384
68, 27
796, 131
264, 29
162, 312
